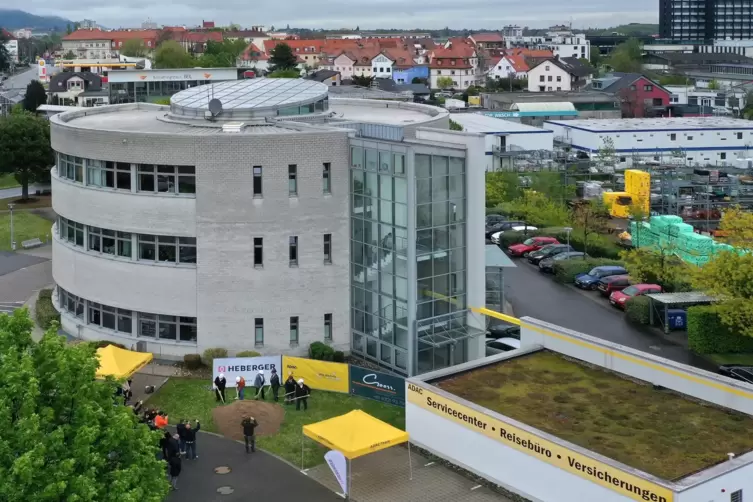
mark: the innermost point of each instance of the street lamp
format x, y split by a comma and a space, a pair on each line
568, 230
12, 240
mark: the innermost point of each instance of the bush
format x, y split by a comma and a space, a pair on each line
100, 344
247, 353
210, 355
338, 356
707, 334
638, 310
507, 239
321, 351
565, 271
45, 310
192, 361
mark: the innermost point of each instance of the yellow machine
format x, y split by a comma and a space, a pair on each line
637, 193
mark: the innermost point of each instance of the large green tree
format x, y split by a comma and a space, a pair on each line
25, 149
4, 54
35, 96
170, 54
64, 436
627, 57
282, 58
133, 48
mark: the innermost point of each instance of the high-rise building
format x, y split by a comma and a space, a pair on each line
706, 20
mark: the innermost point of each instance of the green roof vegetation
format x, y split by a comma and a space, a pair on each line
657, 431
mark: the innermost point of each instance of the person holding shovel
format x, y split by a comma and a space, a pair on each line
302, 393
259, 384
219, 387
289, 388
274, 381
240, 386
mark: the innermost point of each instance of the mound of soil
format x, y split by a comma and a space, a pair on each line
228, 418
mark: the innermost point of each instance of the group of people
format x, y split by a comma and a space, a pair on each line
297, 392
179, 445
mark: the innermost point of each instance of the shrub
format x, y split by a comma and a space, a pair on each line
45, 310
321, 351
707, 334
247, 353
338, 356
210, 355
192, 361
507, 239
638, 310
565, 271
100, 344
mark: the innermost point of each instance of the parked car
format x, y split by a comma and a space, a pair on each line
547, 265
491, 219
503, 331
608, 285
619, 298
522, 228
744, 373
501, 227
501, 345
548, 251
529, 245
590, 280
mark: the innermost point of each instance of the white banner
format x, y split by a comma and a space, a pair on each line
339, 466
247, 367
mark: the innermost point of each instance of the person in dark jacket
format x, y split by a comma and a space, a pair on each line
169, 446
174, 468
259, 382
274, 382
249, 426
181, 429
219, 387
190, 434
289, 388
302, 393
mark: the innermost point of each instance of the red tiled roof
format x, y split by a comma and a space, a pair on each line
6, 34
402, 57
199, 37
530, 53
117, 35
518, 63
487, 37
453, 57
253, 53
298, 46
89, 35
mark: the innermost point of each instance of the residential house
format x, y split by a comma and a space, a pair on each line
253, 57
487, 40
509, 67
66, 87
147, 37
639, 96
329, 77
308, 50
457, 61
195, 42
363, 57
532, 57
560, 40
381, 65
343, 64
11, 44
89, 44
559, 74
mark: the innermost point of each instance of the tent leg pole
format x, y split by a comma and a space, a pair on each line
349, 479
302, 438
410, 463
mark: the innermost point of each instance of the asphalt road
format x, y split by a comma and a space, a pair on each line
536, 295
21, 80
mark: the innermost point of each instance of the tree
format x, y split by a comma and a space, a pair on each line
714, 85
68, 29
282, 58
605, 154
63, 425
69, 55
445, 83
4, 54
627, 57
35, 95
291, 73
222, 54
590, 218
501, 186
673, 80
133, 48
362, 80
172, 55
595, 56
656, 265
25, 149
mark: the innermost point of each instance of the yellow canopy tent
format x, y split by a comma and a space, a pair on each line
355, 434
120, 363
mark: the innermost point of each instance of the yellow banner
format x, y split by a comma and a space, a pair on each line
610, 477
321, 375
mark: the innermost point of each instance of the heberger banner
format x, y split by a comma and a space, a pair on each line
378, 386
321, 375
339, 465
247, 367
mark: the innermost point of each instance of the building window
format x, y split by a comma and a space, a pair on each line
549, 78
327, 248
559, 78
723, 155
294, 330
110, 242
72, 232
327, 327
546, 68
736, 496
71, 167
690, 138
257, 181
258, 252
541, 78
165, 248
293, 250
632, 87
292, 180
104, 174
739, 135
258, 331
673, 137
166, 179
326, 178
648, 87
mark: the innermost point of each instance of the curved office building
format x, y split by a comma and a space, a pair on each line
224, 220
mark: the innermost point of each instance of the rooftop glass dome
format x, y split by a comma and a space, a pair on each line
253, 98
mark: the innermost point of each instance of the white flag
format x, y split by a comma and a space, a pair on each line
339, 466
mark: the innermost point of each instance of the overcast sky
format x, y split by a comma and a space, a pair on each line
368, 14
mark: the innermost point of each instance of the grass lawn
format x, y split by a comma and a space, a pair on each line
33, 202
25, 226
8, 181
658, 432
192, 399
742, 359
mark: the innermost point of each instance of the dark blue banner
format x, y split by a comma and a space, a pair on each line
377, 386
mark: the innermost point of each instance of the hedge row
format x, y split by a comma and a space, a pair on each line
599, 246
45, 311
317, 350
707, 334
638, 310
323, 352
566, 270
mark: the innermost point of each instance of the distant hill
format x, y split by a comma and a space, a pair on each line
631, 30
16, 19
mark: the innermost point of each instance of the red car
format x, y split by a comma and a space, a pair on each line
532, 244
619, 298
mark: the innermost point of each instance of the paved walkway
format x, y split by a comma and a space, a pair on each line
384, 477
254, 477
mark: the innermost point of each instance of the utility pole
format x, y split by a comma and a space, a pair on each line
12, 239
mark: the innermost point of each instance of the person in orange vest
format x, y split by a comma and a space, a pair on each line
160, 421
240, 386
